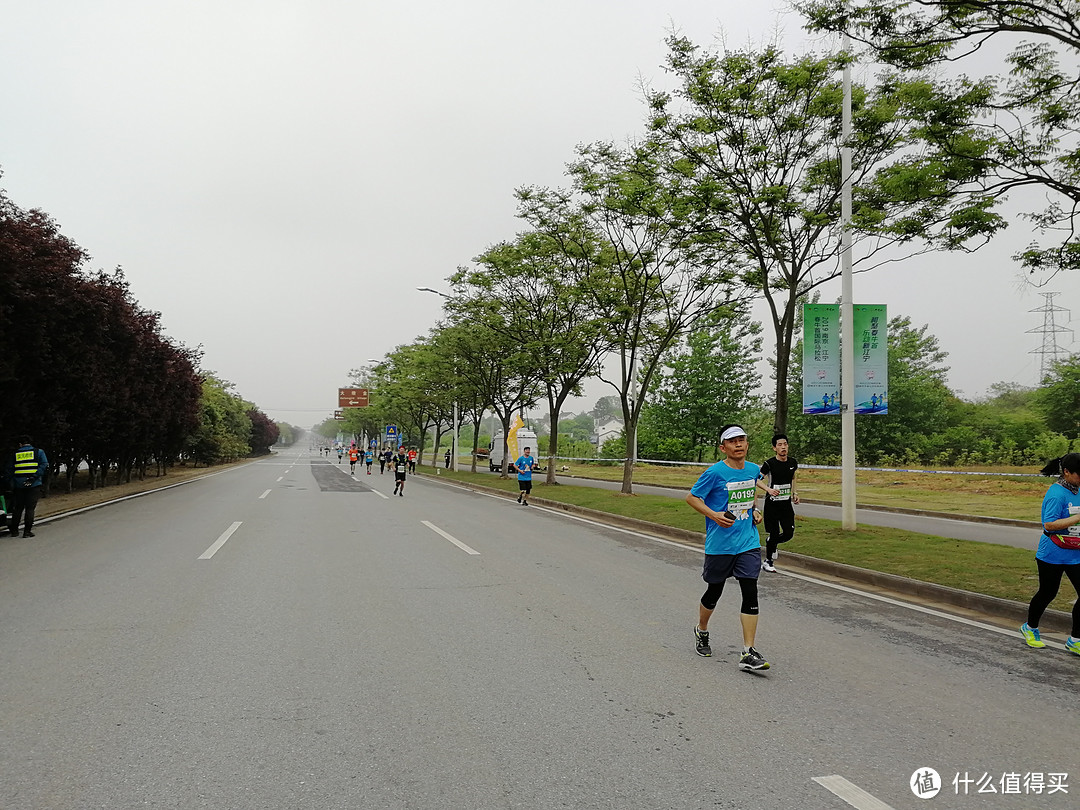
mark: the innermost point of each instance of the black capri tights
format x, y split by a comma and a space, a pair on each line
1049, 582
749, 596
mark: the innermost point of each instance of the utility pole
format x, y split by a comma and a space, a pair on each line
847, 320
1049, 351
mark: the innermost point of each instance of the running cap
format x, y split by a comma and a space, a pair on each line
731, 433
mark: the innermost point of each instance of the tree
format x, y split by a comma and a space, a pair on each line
545, 310
639, 258
264, 432
85, 370
224, 429
501, 375
1058, 399
759, 137
1027, 123
704, 384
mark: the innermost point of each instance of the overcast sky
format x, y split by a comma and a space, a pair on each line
277, 177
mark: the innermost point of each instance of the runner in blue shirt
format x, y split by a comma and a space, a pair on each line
524, 467
1059, 551
725, 494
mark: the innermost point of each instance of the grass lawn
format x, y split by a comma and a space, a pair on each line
992, 496
986, 568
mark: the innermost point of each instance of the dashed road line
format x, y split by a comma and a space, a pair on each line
210, 552
851, 793
449, 537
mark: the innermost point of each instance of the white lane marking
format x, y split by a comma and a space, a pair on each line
384, 497
852, 794
264, 495
452, 539
835, 586
280, 478
210, 552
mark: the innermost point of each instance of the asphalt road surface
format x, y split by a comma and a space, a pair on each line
284, 635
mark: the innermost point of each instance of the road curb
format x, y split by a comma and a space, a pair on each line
1003, 610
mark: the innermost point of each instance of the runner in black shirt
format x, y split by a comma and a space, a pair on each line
401, 468
780, 497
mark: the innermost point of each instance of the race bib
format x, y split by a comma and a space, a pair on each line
1073, 531
784, 492
741, 498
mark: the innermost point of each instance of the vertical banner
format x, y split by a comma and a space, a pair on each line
871, 359
821, 358
512, 440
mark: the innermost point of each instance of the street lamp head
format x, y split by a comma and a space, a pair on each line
432, 290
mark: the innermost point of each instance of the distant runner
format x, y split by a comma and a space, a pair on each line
525, 466
401, 468
780, 497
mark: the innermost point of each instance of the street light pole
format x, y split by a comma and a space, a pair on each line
454, 449
847, 324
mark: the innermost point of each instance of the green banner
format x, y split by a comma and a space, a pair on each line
821, 358
871, 359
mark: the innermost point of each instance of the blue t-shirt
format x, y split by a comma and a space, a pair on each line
726, 489
1059, 503
524, 467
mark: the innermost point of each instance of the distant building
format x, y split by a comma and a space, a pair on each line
609, 430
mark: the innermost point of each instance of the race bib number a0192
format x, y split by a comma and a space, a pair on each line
741, 498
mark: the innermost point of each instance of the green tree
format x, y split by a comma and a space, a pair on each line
759, 136
1028, 121
1058, 399
640, 259
224, 427
706, 383
544, 308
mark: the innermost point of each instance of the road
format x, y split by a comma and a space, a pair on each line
283, 635
941, 527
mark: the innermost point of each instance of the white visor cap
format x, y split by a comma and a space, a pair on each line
731, 433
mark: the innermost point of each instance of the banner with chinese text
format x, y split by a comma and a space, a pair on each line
871, 359
821, 358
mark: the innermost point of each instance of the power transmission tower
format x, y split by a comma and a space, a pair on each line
1049, 352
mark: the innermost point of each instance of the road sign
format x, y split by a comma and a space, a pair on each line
391, 434
339, 415
352, 397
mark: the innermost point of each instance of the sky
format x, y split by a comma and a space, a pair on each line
278, 177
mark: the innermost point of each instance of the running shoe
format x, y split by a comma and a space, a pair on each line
1031, 636
768, 566
702, 638
1072, 645
753, 661
519, 499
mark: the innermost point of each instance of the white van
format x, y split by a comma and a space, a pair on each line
525, 438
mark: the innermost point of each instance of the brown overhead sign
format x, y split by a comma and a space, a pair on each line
352, 398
